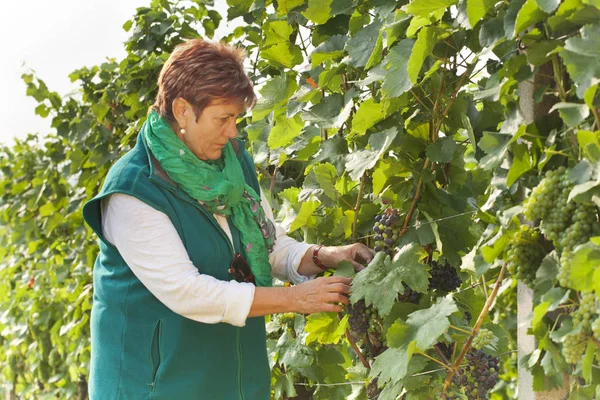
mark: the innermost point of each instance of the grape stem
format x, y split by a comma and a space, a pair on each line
467, 346
411, 211
460, 329
441, 354
433, 359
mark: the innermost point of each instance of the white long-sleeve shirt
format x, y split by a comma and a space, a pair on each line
150, 245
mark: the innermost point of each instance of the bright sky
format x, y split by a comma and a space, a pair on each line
54, 38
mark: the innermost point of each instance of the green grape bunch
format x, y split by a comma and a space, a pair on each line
525, 253
485, 337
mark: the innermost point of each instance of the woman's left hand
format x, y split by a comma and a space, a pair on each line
357, 253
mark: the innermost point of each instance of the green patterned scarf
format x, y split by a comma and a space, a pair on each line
223, 191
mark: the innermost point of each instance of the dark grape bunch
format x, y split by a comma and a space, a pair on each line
479, 376
359, 318
387, 230
525, 254
443, 277
409, 295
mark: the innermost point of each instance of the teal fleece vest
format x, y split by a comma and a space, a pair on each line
140, 348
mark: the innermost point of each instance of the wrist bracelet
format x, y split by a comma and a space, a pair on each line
316, 260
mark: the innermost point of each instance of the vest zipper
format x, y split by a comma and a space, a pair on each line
239, 353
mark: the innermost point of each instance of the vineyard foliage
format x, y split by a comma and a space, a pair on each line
471, 126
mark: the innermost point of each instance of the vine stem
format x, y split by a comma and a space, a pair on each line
433, 359
411, 210
452, 98
357, 207
467, 345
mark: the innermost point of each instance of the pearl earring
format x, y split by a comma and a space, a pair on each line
182, 131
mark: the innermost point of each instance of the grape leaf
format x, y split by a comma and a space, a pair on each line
521, 163
423, 8
423, 327
582, 58
442, 151
305, 216
325, 328
284, 131
585, 274
274, 94
318, 11
381, 282
285, 54
368, 114
426, 39
360, 161
396, 81
476, 9
571, 113
328, 50
361, 47
548, 6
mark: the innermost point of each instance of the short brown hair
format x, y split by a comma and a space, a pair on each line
203, 72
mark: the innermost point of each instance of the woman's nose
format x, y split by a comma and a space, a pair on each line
231, 130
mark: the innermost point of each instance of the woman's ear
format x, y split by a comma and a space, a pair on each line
180, 110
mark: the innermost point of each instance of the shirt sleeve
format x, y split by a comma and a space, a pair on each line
152, 248
287, 254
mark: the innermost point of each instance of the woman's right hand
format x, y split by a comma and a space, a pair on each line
321, 295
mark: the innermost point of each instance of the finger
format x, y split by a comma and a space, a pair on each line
332, 308
366, 253
358, 267
339, 288
337, 298
339, 279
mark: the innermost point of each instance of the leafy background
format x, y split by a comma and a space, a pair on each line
448, 111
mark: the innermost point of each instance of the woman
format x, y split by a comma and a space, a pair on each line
178, 217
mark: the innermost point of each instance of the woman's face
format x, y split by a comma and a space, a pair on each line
215, 126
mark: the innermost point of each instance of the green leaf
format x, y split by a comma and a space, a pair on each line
284, 131
285, 6
361, 47
588, 361
325, 328
392, 364
237, 8
529, 15
292, 353
424, 327
331, 112
572, 113
521, 163
368, 114
538, 314
381, 282
305, 215
47, 210
423, 8
330, 49
582, 58
476, 9
276, 32
318, 11
590, 144
127, 25
384, 170
396, 80
274, 95
548, 6
345, 269
360, 161
326, 176
285, 54
583, 264
495, 146
442, 151
426, 39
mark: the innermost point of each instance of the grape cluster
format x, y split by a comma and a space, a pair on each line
485, 337
574, 347
587, 309
386, 230
596, 328
479, 376
549, 202
359, 316
583, 226
525, 253
443, 277
409, 295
